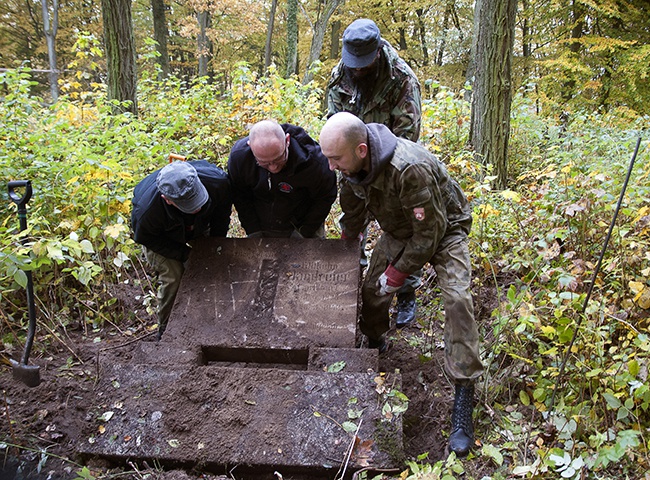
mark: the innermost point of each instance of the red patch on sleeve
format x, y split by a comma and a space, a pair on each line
418, 212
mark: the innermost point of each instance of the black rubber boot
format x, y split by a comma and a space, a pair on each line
461, 439
406, 307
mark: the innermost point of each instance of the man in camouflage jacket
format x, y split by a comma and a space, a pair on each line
372, 82
425, 217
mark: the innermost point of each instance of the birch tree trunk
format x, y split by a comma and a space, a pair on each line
203, 17
50, 29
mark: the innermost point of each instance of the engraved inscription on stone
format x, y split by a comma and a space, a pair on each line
271, 292
266, 287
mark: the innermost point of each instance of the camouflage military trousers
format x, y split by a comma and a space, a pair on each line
169, 273
453, 268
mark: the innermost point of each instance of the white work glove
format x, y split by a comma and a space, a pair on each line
390, 281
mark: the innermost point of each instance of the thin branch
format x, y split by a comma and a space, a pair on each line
349, 453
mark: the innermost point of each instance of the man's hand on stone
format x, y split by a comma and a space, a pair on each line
390, 281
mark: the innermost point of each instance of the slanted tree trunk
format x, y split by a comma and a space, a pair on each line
120, 54
203, 17
292, 37
320, 27
269, 37
50, 29
492, 91
160, 35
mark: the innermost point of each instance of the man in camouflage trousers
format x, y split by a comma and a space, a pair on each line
372, 82
425, 217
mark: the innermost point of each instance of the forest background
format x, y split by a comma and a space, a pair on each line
566, 388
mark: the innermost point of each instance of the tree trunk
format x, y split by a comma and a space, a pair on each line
160, 34
269, 36
402, 34
292, 37
577, 20
492, 91
203, 42
422, 32
50, 29
335, 44
443, 40
120, 54
471, 64
320, 27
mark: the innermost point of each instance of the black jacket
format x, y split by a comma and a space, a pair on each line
165, 229
297, 198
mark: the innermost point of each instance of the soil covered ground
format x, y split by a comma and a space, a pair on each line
40, 427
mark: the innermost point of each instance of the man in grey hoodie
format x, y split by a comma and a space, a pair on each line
425, 217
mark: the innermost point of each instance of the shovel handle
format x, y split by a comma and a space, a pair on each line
176, 156
21, 201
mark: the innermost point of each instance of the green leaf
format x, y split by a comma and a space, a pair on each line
54, 252
612, 401
21, 278
86, 246
492, 452
524, 398
349, 427
336, 367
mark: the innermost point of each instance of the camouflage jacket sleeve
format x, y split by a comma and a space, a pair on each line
407, 113
355, 214
422, 200
334, 99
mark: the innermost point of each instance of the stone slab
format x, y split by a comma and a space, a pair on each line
268, 292
255, 370
256, 418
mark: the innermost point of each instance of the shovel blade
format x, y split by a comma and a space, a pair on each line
30, 375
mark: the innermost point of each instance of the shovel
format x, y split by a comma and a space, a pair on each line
28, 374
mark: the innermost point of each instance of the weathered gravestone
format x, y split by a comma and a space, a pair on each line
256, 371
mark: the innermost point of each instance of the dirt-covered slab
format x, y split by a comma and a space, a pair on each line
255, 418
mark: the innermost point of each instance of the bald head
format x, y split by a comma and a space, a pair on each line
269, 144
344, 141
346, 126
264, 132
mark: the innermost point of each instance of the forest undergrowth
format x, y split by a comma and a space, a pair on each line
565, 392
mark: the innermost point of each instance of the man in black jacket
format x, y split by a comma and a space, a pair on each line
281, 182
171, 206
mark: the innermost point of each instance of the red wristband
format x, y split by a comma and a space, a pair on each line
394, 277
